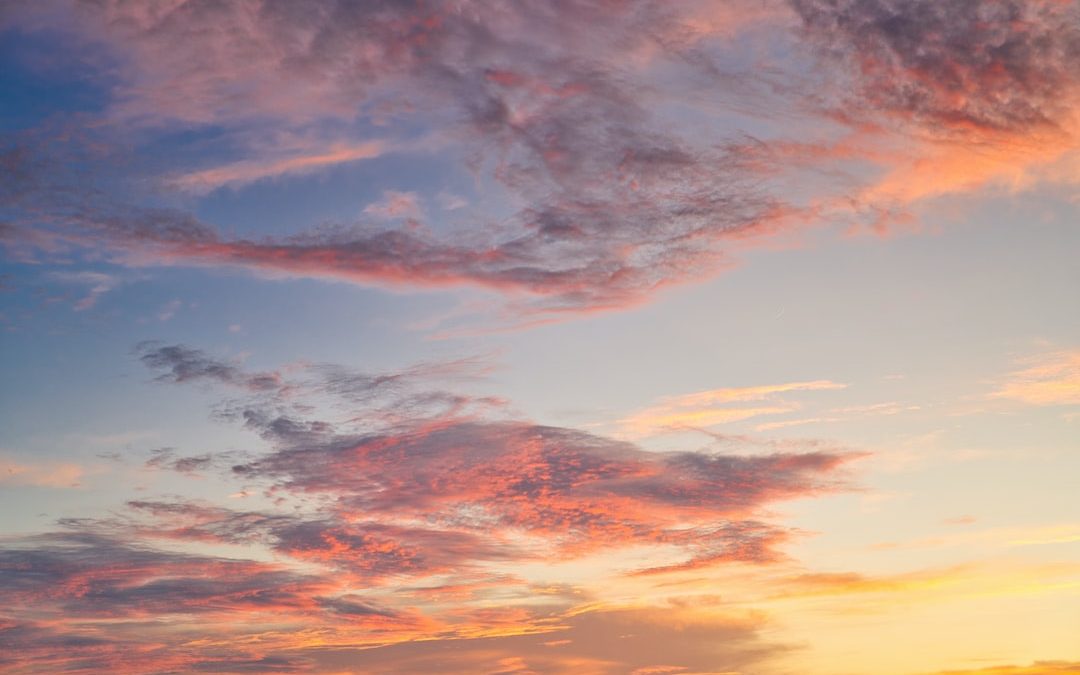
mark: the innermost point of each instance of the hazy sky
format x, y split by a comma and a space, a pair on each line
577, 336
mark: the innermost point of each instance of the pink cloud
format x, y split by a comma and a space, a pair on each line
245, 172
53, 474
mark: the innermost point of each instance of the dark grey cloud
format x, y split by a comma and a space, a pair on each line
179, 364
955, 65
366, 549
82, 573
165, 458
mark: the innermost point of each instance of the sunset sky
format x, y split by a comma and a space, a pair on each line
577, 337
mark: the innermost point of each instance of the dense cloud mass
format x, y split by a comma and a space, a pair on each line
615, 201
582, 490
460, 470
427, 502
606, 195
957, 65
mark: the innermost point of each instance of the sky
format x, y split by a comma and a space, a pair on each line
591, 337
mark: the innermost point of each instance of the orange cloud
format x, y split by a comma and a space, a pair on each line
941, 167
970, 93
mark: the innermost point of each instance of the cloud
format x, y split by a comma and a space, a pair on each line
246, 172
986, 90
180, 364
608, 196
842, 414
1048, 379
843, 591
577, 491
225, 62
1036, 668
367, 551
1035, 535
396, 205
605, 641
166, 458
169, 310
52, 474
983, 65
611, 201
88, 575
81, 601
584, 252
407, 453
713, 407
377, 529
99, 284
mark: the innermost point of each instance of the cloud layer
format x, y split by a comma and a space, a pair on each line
380, 528
618, 156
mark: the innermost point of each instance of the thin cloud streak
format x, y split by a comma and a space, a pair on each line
716, 406
52, 474
249, 171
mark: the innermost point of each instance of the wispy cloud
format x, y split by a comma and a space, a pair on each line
1047, 379
717, 406
249, 171
180, 364
98, 284
53, 474
395, 205
1037, 668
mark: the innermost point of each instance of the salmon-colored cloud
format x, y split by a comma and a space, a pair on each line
483, 488
82, 602
79, 601
1048, 379
249, 171
578, 490
716, 406
985, 92
54, 474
